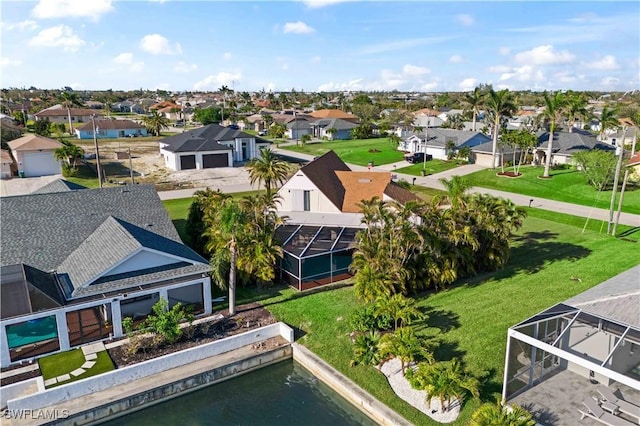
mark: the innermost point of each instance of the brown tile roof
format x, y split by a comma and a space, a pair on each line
112, 125
635, 160
162, 104
427, 111
523, 113
62, 112
5, 156
333, 113
262, 103
360, 186
319, 171
33, 143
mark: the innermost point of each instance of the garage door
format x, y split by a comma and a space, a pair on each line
39, 164
210, 161
187, 162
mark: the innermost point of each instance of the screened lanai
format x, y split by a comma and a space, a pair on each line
315, 255
566, 339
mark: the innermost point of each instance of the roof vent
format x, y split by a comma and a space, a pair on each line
364, 180
148, 225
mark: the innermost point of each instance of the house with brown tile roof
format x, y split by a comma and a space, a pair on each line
333, 113
326, 191
59, 115
33, 155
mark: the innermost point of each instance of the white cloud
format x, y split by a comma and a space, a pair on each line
430, 87
500, 68
525, 74
124, 58
226, 56
184, 67
323, 3
7, 62
298, 27
607, 63
402, 44
504, 50
92, 9
468, 84
609, 81
213, 82
464, 19
544, 55
27, 24
456, 59
567, 77
315, 59
58, 36
159, 45
355, 84
412, 70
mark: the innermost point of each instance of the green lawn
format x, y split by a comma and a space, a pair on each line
433, 166
566, 185
471, 319
355, 151
65, 362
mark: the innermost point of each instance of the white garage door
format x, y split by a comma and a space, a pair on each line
40, 164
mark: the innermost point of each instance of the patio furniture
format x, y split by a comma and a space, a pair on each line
624, 406
594, 411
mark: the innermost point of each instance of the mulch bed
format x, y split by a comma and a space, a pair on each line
247, 317
20, 377
509, 174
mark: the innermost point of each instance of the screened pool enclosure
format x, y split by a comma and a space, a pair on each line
315, 255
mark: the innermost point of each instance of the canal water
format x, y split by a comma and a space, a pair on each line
281, 394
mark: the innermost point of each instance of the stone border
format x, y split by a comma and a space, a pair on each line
90, 353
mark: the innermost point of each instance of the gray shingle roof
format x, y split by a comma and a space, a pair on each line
570, 143
205, 138
46, 230
336, 123
58, 185
438, 137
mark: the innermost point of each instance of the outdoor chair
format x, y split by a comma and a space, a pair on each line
594, 411
624, 406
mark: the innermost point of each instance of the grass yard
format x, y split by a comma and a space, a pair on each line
433, 166
354, 151
65, 362
566, 185
470, 320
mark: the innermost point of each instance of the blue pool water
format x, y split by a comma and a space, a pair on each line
32, 331
281, 394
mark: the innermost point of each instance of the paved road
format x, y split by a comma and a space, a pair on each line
433, 182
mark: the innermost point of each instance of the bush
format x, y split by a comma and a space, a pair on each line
365, 319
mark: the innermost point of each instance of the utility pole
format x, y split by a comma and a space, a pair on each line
624, 181
620, 152
95, 143
131, 167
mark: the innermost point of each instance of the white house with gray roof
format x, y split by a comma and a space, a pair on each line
75, 263
209, 147
566, 144
434, 141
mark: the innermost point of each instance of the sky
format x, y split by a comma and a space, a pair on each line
320, 45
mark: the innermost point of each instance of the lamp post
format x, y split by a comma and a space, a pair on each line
95, 143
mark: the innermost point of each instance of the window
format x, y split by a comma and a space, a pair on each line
306, 201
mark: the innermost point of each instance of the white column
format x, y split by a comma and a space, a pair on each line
164, 294
206, 294
5, 356
116, 318
63, 332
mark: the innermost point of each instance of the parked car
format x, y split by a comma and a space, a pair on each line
262, 133
417, 157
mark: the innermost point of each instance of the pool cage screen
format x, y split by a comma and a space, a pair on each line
315, 255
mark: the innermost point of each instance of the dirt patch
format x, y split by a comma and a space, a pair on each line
19, 377
248, 317
509, 174
374, 151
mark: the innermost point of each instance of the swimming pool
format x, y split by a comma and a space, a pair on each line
32, 331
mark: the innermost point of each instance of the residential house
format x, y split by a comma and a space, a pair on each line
566, 354
76, 263
94, 105
634, 166
566, 144
5, 164
112, 129
482, 154
128, 107
334, 114
332, 128
321, 201
297, 127
434, 141
58, 114
209, 147
34, 156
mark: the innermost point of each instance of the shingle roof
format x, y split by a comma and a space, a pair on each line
438, 137
205, 138
62, 112
112, 125
44, 230
570, 143
58, 185
399, 193
336, 123
33, 142
320, 172
5, 156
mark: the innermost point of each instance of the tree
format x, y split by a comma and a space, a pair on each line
597, 166
166, 322
42, 127
394, 140
206, 116
305, 138
69, 153
195, 227
608, 120
68, 100
404, 344
464, 153
331, 131
474, 100
499, 414
575, 107
456, 188
268, 169
365, 349
155, 123
451, 148
402, 309
552, 112
501, 104
445, 380
362, 131
277, 131
521, 140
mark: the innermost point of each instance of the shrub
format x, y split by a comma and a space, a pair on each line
365, 319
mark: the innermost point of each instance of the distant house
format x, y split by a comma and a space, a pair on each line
566, 144
112, 129
128, 106
33, 155
482, 154
58, 114
209, 147
332, 128
5, 164
333, 114
634, 166
75, 263
434, 141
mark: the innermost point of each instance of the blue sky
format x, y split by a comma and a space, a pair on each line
320, 45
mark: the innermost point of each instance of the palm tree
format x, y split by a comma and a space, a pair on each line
608, 120
405, 345
474, 100
575, 107
155, 123
400, 308
305, 138
500, 414
331, 131
69, 100
267, 168
69, 153
450, 148
456, 188
365, 349
554, 105
500, 104
446, 380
